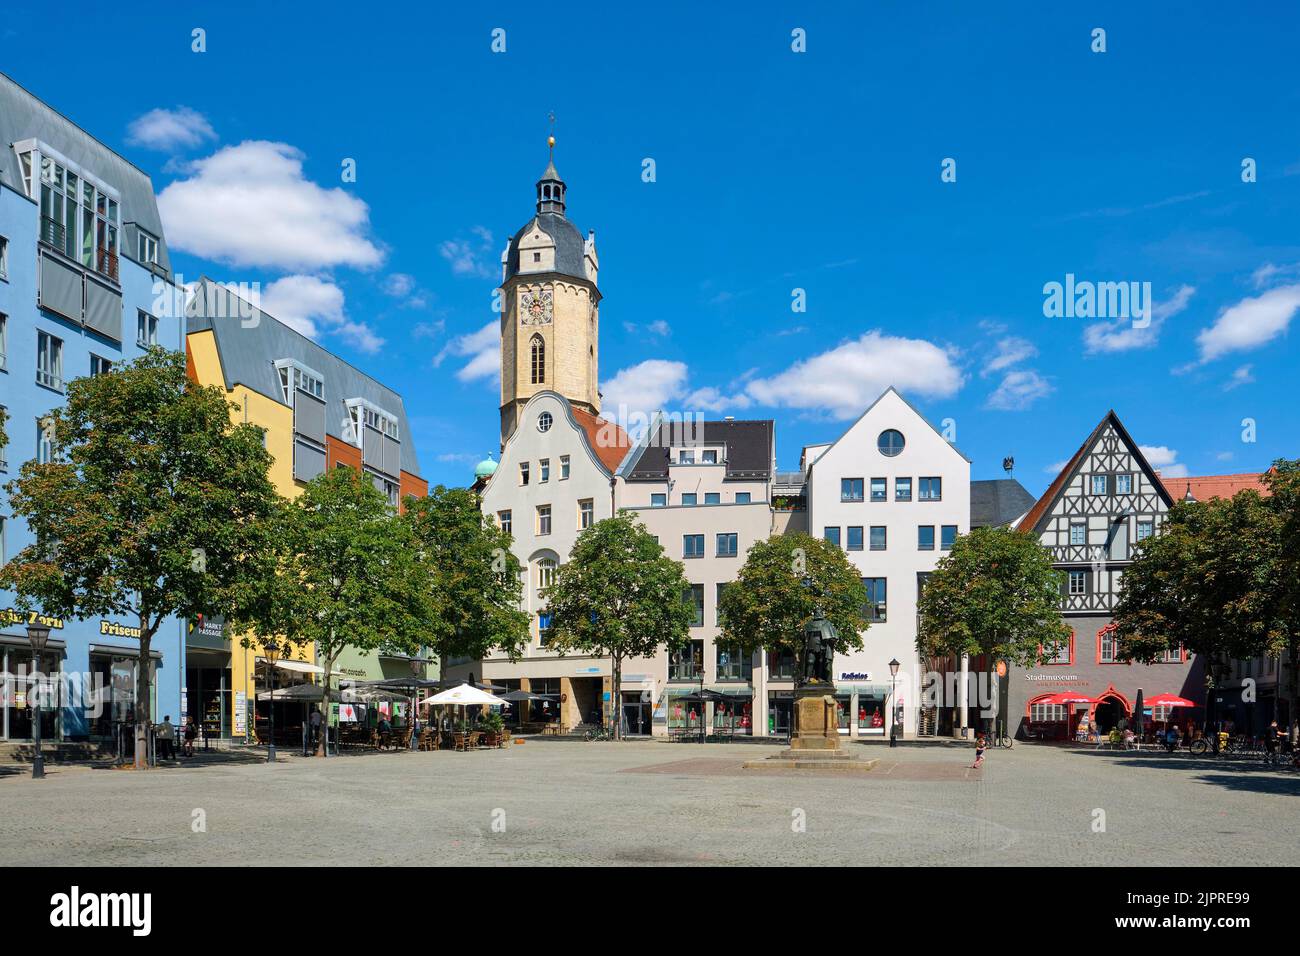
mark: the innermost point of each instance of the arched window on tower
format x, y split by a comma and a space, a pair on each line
539, 360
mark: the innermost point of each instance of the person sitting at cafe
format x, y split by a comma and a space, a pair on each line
385, 725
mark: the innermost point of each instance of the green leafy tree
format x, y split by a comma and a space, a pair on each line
784, 582
994, 594
619, 596
347, 574
148, 508
1201, 584
1218, 580
475, 582
1283, 482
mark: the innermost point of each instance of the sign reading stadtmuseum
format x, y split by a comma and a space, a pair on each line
11, 616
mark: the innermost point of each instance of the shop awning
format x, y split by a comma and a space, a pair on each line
298, 667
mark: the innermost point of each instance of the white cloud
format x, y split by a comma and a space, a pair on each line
250, 205
657, 327
1249, 323
401, 286
1018, 390
1266, 273
481, 348
315, 306
1120, 335
1242, 376
661, 385
646, 387
167, 130
1164, 460
846, 379
471, 258
1057, 468
398, 284
1223, 456
1010, 351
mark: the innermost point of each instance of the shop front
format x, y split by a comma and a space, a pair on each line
16, 696
734, 716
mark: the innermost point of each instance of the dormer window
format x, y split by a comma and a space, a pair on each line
294, 375
80, 215
147, 248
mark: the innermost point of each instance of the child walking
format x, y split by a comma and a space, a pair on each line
980, 745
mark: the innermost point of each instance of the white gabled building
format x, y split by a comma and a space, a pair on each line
894, 494
554, 479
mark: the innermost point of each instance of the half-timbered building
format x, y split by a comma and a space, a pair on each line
1105, 500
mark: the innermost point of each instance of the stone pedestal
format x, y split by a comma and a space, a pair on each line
815, 727
815, 743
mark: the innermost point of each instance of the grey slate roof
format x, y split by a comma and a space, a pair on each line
749, 446
569, 245
249, 350
23, 116
998, 502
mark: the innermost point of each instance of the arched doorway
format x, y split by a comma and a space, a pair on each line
1111, 708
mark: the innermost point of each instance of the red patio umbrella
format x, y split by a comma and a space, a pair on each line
1168, 700
1064, 699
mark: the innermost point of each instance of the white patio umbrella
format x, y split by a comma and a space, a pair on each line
465, 696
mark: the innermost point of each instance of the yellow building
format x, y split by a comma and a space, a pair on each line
318, 413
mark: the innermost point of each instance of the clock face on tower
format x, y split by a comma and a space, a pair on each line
535, 307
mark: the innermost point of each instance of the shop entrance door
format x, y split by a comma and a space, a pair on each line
636, 714
1108, 714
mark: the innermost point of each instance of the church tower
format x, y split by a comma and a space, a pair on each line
550, 308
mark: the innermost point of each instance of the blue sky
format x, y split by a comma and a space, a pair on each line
775, 171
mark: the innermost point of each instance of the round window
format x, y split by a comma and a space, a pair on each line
544, 422
890, 442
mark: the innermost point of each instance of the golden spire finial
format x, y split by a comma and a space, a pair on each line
550, 140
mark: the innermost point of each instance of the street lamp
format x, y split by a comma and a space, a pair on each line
37, 636
270, 648
893, 703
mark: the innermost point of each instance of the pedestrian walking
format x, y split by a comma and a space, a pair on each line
191, 732
980, 746
167, 739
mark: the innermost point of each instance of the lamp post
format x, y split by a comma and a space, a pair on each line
893, 703
271, 648
37, 636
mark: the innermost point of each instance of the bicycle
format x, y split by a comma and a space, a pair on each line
598, 733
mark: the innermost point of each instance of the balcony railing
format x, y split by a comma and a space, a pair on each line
106, 263
53, 233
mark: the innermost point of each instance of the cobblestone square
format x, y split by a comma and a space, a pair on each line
551, 802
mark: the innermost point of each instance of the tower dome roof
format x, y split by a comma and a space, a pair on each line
485, 468
570, 247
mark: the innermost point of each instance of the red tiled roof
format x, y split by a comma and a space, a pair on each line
607, 440
1214, 486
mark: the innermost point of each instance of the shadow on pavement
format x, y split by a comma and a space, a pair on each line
1243, 774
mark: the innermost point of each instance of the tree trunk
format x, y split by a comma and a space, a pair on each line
322, 744
616, 698
143, 699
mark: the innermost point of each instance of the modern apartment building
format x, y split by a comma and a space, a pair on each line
318, 412
85, 281
894, 493
704, 489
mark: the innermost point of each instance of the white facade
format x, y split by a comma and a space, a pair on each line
895, 493
549, 484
